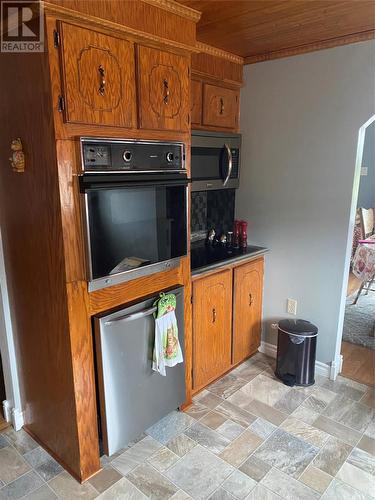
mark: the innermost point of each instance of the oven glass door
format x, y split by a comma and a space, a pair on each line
134, 226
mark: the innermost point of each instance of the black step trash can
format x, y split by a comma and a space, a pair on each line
296, 349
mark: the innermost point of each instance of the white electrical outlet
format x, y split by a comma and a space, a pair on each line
291, 306
274, 326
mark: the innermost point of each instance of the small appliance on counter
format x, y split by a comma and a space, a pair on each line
135, 208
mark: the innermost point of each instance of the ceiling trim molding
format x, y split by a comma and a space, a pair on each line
125, 31
214, 51
311, 47
176, 8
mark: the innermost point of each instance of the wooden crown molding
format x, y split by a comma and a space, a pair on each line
176, 8
99, 23
213, 51
312, 47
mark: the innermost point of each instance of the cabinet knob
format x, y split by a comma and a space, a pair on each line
213, 315
251, 300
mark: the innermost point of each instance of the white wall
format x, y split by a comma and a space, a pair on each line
300, 118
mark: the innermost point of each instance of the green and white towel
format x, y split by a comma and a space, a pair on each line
167, 349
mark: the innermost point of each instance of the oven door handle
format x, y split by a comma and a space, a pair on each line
89, 182
230, 164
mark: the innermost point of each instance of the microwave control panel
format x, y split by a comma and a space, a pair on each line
131, 156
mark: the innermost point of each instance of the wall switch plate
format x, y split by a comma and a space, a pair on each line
364, 171
291, 306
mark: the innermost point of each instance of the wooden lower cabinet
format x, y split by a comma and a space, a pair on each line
247, 309
212, 324
218, 342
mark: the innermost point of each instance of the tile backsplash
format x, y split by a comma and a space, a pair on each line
212, 209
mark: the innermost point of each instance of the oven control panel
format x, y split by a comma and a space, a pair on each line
100, 155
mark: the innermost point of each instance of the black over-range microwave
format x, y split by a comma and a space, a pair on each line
215, 160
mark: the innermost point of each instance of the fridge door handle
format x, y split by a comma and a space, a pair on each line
132, 316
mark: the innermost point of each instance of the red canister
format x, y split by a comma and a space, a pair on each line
243, 234
236, 236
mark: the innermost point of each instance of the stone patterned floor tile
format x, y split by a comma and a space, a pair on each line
136, 455
262, 428
304, 431
213, 419
255, 468
349, 436
357, 478
265, 389
3, 441
181, 495
221, 494
368, 398
338, 490
208, 399
259, 409
319, 399
122, 489
42, 493
332, 456
286, 452
106, 478
290, 401
260, 492
49, 469
358, 417
12, 465
370, 431
197, 410
170, 426
230, 429
36, 456
316, 479
239, 485
181, 444
151, 483
362, 460
66, 487
241, 448
199, 472
21, 441
207, 437
21, 486
307, 415
238, 415
287, 487
345, 388
226, 386
247, 371
367, 444
163, 459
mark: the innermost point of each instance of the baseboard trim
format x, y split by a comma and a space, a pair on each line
324, 369
13, 415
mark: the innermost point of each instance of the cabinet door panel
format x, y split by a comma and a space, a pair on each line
212, 324
220, 106
196, 102
248, 291
163, 82
98, 78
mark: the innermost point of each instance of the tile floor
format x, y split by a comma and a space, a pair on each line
246, 437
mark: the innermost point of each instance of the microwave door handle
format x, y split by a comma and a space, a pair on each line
230, 164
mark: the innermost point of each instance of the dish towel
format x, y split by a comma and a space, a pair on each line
167, 349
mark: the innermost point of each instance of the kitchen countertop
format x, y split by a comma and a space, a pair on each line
205, 257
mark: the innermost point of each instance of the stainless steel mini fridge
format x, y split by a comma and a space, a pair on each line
132, 396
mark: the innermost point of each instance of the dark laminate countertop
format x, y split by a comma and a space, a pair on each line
205, 257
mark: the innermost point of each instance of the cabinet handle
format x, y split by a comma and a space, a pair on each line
166, 92
221, 105
102, 80
251, 300
213, 315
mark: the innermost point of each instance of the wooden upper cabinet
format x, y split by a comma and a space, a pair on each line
247, 311
98, 77
212, 323
196, 102
220, 106
163, 85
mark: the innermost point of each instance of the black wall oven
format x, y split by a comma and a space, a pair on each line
215, 160
135, 208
